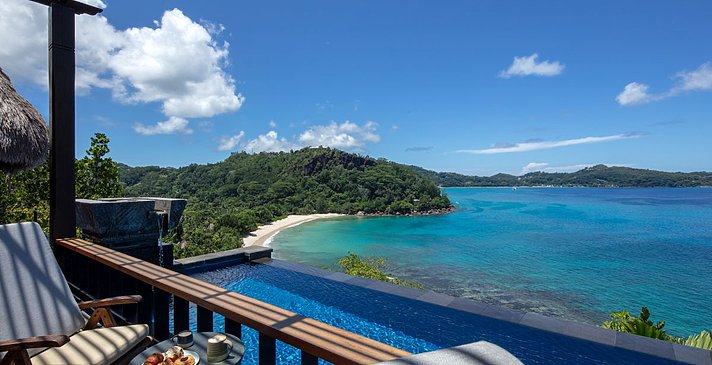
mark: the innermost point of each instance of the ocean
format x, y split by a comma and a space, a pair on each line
573, 253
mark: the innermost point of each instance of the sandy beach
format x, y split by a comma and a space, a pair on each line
265, 232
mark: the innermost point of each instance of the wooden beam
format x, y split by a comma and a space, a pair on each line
76, 6
61, 121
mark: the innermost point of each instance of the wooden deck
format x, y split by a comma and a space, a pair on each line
316, 339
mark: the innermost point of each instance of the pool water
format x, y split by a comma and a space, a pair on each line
411, 325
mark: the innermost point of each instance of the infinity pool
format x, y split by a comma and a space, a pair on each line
412, 325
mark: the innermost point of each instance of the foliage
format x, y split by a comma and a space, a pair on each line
371, 268
97, 176
228, 199
25, 196
594, 176
702, 340
643, 326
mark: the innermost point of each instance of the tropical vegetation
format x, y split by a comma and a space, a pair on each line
371, 268
25, 196
228, 199
231, 198
622, 321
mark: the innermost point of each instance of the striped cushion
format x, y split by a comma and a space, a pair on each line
94, 347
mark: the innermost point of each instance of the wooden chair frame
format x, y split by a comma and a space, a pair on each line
17, 349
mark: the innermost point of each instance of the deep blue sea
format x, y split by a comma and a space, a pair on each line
575, 253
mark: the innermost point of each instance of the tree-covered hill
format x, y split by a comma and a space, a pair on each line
594, 176
230, 198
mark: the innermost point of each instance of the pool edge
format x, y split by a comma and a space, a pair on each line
582, 331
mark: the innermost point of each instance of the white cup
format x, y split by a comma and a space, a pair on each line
218, 348
183, 339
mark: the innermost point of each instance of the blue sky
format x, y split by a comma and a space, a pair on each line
477, 87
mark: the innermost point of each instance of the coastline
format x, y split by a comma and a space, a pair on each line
264, 232
262, 235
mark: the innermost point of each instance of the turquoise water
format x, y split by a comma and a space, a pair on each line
566, 252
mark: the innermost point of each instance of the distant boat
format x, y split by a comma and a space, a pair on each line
514, 188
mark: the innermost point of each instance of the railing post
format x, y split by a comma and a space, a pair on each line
87, 277
128, 285
233, 328
205, 320
267, 350
160, 314
145, 308
309, 359
181, 314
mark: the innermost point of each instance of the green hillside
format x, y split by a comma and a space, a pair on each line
230, 198
594, 176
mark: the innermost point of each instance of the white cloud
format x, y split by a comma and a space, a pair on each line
23, 36
699, 79
98, 3
177, 63
229, 143
269, 142
544, 167
173, 125
212, 28
347, 135
528, 65
541, 145
635, 93
272, 124
533, 166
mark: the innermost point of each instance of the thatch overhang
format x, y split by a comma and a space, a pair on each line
24, 136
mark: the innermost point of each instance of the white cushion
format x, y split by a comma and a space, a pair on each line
477, 353
94, 347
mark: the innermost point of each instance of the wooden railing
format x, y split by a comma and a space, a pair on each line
100, 271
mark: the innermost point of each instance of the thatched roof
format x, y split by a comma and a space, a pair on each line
24, 138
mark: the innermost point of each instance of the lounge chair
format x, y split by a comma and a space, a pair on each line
40, 321
476, 353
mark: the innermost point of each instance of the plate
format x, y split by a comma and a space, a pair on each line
191, 353
194, 354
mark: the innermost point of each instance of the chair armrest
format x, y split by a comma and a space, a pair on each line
126, 299
33, 342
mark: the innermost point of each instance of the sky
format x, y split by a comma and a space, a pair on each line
474, 86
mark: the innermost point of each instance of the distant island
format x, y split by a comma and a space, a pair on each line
598, 176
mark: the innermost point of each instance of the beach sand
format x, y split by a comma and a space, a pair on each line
265, 232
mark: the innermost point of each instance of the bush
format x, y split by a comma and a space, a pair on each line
643, 326
371, 268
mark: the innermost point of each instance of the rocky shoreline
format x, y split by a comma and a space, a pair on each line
411, 214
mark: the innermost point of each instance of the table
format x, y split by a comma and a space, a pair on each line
200, 345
